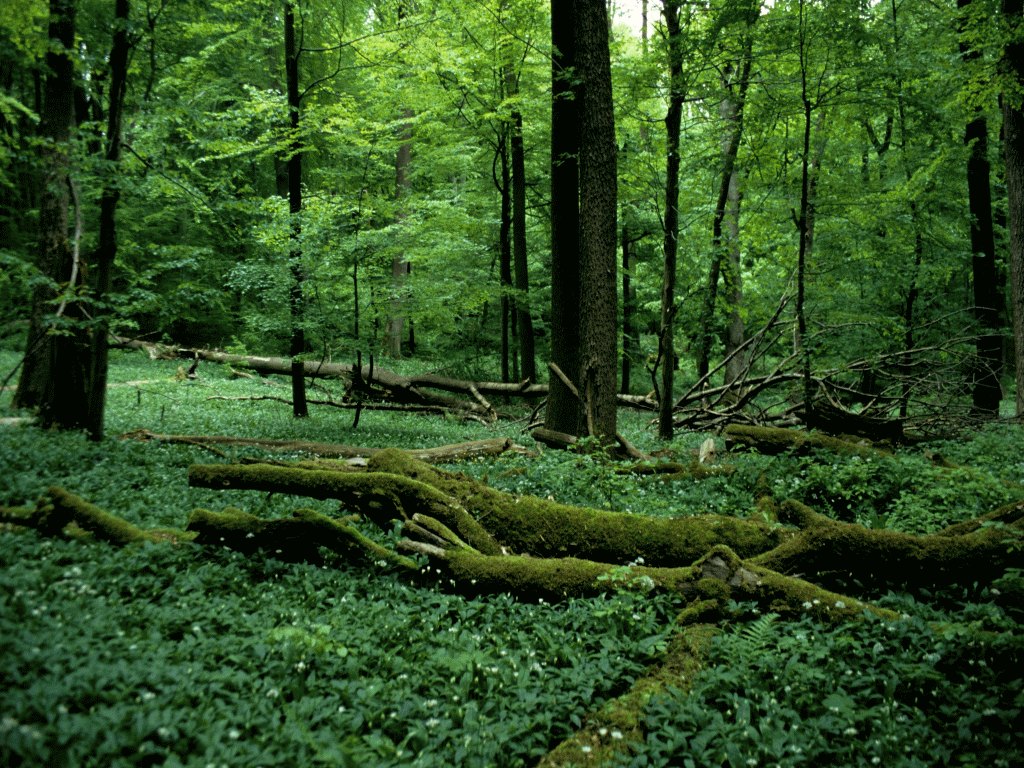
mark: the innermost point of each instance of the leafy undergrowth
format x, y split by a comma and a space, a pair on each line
163, 655
876, 692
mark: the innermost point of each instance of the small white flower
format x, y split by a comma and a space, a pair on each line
616, 734
840, 604
586, 749
234, 734
273, 693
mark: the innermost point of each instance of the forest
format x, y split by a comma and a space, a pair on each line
504, 383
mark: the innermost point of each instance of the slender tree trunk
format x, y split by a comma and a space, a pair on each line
598, 228
55, 368
732, 116
505, 252
986, 392
400, 267
732, 282
1013, 151
673, 120
300, 408
805, 225
564, 411
524, 319
106, 253
630, 335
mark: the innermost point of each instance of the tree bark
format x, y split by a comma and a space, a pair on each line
106, 252
296, 296
598, 228
55, 369
986, 392
1013, 151
524, 318
673, 119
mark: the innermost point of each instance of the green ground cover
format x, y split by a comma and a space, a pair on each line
161, 655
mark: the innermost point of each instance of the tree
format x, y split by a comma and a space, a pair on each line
584, 269
54, 376
564, 410
725, 252
598, 230
1013, 151
294, 165
673, 121
106, 252
986, 392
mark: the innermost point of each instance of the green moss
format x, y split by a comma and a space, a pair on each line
68, 508
381, 496
775, 440
620, 722
545, 528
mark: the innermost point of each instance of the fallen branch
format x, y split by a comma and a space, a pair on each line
455, 452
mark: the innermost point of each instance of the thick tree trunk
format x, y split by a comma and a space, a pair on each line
54, 376
598, 228
1013, 150
505, 259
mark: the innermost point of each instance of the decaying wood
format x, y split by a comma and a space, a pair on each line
775, 440
368, 378
455, 452
561, 548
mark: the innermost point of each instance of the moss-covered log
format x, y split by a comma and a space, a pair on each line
473, 449
299, 537
774, 440
620, 722
545, 528
380, 497
59, 512
837, 554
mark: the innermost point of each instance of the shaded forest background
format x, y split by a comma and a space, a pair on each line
808, 192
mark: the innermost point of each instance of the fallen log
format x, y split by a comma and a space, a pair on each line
455, 452
775, 440
402, 388
298, 538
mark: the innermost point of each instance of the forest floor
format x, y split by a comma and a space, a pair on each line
181, 655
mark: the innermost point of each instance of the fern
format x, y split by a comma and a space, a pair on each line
757, 635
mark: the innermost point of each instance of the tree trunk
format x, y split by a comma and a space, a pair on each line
106, 252
986, 392
505, 255
1013, 151
564, 411
731, 110
598, 228
56, 364
630, 333
297, 302
524, 319
732, 281
673, 119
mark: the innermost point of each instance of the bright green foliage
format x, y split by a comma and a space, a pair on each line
172, 654
173, 657
894, 693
